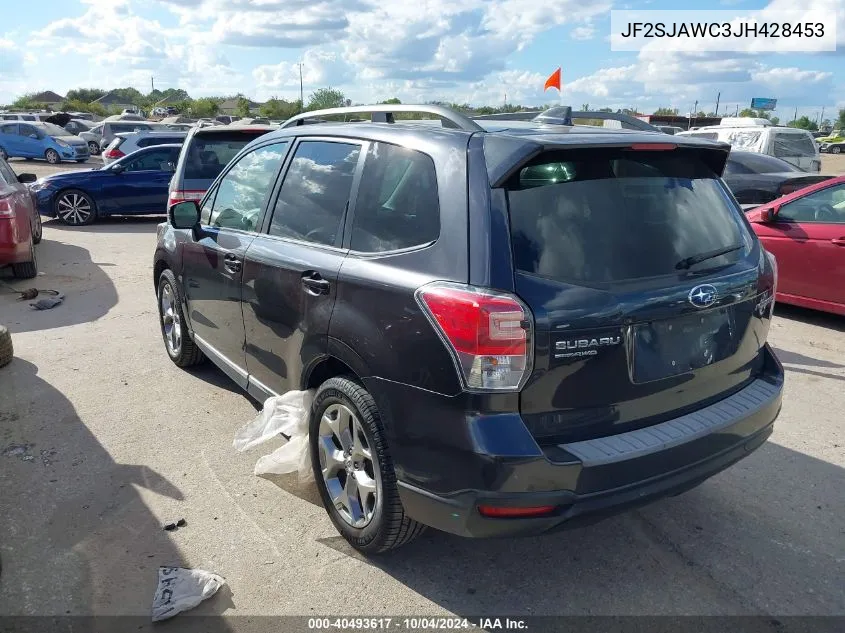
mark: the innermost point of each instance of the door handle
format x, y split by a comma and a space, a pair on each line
314, 284
231, 263
839, 241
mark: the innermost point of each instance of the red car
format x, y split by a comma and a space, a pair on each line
20, 223
805, 231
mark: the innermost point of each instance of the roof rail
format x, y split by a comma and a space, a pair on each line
383, 113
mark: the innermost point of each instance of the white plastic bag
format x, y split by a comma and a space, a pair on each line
181, 589
288, 414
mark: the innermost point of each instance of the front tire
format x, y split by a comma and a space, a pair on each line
52, 157
354, 471
27, 270
75, 208
178, 343
835, 150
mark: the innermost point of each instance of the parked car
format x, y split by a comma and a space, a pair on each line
93, 137
13, 116
179, 127
805, 231
20, 224
833, 143
111, 128
127, 142
41, 140
226, 119
755, 179
75, 126
205, 153
251, 121
793, 145
492, 353
135, 184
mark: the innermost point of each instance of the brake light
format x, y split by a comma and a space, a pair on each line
6, 208
502, 512
180, 195
652, 147
489, 333
113, 153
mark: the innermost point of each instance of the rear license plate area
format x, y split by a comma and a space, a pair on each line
663, 349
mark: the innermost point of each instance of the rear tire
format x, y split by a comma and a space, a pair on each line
27, 270
835, 150
38, 230
7, 350
52, 157
358, 450
93, 148
177, 341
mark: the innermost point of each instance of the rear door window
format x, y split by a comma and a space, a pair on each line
397, 205
9, 128
315, 193
154, 160
598, 216
159, 140
793, 145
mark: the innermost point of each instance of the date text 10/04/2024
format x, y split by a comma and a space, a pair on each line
414, 624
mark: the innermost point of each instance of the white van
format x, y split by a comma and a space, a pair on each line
791, 144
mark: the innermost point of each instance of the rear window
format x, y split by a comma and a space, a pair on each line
606, 215
744, 139
208, 154
160, 140
792, 145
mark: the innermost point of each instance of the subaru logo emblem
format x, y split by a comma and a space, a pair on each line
702, 296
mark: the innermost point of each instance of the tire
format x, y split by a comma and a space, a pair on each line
75, 207
52, 157
38, 231
7, 350
835, 149
178, 343
378, 522
3, 154
27, 270
93, 148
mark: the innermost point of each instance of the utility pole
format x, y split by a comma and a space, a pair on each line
821, 118
737, 109
301, 97
152, 84
718, 96
795, 118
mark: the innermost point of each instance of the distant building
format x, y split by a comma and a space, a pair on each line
48, 99
676, 120
230, 105
112, 100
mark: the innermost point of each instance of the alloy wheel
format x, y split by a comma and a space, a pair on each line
349, 465
52, 156
74, 208
171, 324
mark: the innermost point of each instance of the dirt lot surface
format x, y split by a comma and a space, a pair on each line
103, 439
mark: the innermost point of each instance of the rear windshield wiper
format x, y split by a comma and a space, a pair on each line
687, 262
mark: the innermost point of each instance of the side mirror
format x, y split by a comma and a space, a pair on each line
184, 215
769, 215
118, 168
27, 178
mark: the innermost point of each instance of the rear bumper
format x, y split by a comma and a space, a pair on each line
586, 481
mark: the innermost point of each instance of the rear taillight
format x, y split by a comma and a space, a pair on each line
113, 153
180, 195
6, 208
489, 333
652, 147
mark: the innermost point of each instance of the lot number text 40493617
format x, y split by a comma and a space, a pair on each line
422, 623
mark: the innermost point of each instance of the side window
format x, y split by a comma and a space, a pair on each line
242, 191
150, 161
10, 128
734, 167
97, 130
26, 130
793, 145
397, 205
826, 206
315, 193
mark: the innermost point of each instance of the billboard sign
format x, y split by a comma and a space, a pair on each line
759, 103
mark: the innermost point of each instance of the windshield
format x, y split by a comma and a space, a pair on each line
209, 154
605, 215
53, 130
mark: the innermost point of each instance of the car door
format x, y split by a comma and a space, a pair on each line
291, 269
10, 140
138, 183
31, 141
213, 256
814, 227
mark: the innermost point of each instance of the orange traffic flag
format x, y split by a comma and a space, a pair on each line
553, 81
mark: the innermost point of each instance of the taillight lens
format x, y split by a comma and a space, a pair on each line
489, 333
502, 512
113, 153
6, 208
180, 195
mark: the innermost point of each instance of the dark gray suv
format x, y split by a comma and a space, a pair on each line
510, 328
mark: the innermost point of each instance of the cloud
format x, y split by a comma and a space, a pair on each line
319, 69
11, 59
583, 32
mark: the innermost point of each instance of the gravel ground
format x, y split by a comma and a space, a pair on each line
103, 439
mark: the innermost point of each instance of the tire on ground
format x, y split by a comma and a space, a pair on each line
7, 350
389, 527
189, 353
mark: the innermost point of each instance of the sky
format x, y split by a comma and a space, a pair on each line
468, 51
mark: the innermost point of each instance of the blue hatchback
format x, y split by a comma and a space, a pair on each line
41, 140
134, 185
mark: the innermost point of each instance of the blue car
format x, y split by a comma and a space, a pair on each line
41, 140
134, 185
